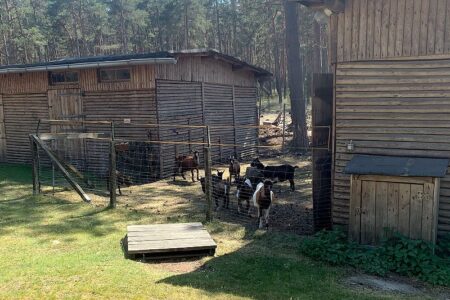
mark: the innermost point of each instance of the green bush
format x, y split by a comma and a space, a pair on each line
397, 254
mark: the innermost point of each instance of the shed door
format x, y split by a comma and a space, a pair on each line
67, 104
399, 204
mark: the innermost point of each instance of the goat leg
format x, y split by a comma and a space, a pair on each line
248, 206
291, 181
120, 192
266, 217
198, 178
182, 175
192, 175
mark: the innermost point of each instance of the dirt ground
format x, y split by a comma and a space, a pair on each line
183, 199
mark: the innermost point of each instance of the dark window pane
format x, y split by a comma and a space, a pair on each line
57, 77
71, 77
106, 75
123, 74
63, 77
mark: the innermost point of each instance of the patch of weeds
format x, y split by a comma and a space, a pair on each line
398, 254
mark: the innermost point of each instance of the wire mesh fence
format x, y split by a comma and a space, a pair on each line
165, 167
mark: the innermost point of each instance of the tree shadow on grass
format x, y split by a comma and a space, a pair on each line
267, 268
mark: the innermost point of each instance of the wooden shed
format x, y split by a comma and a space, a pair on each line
192, 87
391, 61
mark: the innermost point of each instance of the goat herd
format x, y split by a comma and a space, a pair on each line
253, 188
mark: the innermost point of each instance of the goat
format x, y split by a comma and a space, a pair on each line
255, 176
121, 179
220, 190
262, 200
234, 168
277, 173
185, 163
244, 193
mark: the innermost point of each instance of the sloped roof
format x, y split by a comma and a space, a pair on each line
153, 57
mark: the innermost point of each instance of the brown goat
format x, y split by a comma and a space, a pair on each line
185, 163
234, 168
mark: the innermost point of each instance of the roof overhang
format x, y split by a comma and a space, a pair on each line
332, 6
87, 65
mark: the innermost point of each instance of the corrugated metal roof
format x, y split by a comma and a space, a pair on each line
236, 62
397, 166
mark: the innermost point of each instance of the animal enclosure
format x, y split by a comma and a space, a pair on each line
100, 160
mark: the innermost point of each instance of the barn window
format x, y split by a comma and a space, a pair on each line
111, 75
63, 77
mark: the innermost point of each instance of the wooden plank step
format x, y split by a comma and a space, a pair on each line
168, 239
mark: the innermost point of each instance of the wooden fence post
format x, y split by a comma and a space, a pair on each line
208, 183
208, 177
35, 166
112, 171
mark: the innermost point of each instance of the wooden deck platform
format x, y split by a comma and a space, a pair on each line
169, 240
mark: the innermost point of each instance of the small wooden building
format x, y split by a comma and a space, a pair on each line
391, 60
193, 87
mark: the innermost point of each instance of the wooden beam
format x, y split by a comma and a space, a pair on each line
60, 166
70, 136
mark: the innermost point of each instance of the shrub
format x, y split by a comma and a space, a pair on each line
397, 254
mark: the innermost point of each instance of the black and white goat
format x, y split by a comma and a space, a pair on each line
244, 193
277, 173
263, 200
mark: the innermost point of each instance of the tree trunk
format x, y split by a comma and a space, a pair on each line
295, 75
276, 54
186, 24
317, 53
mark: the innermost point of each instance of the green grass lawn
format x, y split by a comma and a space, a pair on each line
52, 247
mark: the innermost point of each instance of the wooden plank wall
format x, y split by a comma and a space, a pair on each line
380, 29
205, 69
246, 115
179, 103
2, 132
138, 106
399, 108
218, 111
202, 69
22, 113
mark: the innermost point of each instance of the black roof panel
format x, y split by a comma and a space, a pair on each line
397, 166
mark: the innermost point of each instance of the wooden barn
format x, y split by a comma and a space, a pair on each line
192, 87
391, 116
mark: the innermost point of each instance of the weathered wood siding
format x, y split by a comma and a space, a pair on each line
246, 120
392, 108
22, 113
179, 103
202, 69
2, 132
380, 29
219, 114
205, 69
138, 106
